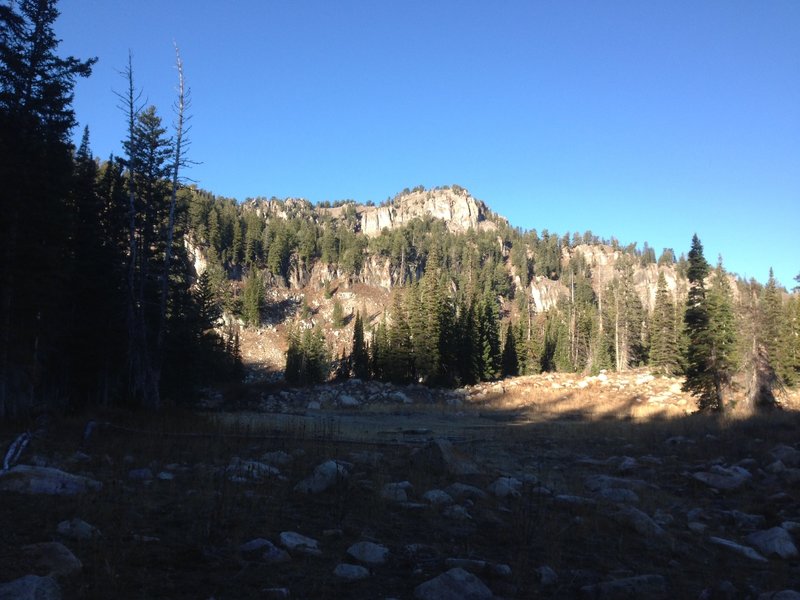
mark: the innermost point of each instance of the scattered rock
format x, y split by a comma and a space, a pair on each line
463, 490
266, 550
722, 478
396, 492
325, 476
369, 553
547, 576
455, 584
738, 548
456, 512
437, 497
30, 587
787, 455
278, 458
245, 471
639, 521
619, 495
26, 479
506, 487
140, 474
77, 529
52, 558
639, 587
775, 541
295, 542
596, 483
348, 401
782, 595
476, 567
350, 573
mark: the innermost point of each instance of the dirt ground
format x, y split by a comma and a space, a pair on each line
176, 531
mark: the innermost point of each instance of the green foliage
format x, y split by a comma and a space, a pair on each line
359, 358
664, 350
710, 331
307, 358
253, 298
337, 315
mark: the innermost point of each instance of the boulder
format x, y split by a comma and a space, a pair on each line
30, 587
738, 548
455, 584
324, 477
396, 492
295, 542
26, 479
726, 479
77, 529
437, 497
350, 573
369, 553
505, 487
52, 558
776, 541
246, 471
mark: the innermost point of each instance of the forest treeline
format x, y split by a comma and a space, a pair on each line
101, 304
462, 310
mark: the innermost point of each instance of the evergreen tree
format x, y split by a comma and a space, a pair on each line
359, 357
709, 327
664, 352
36, 118
337, 315
253, 298
510, 361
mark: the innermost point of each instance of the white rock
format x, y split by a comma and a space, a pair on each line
455, 584
437, 497
347, 400
738, 548
350, 572
30, 587
776, 541
547, 576
457, 512
77, 529
295, 542
369, 553
26, 479
396, 492
325, 476
243, 471
505, 487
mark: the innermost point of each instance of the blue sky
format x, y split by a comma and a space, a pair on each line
647, 121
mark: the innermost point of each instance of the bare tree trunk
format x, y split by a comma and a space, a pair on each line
180, 107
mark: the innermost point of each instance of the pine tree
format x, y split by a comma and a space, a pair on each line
510, 361
709, 328
337, 315
253, 297
359, 357
663, 342
36, 118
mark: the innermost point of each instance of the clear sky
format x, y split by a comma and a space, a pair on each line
647, 121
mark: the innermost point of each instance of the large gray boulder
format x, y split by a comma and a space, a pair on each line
52, 558
30, 587
455, 584
324, 477
27, 479
369, 553
775, 541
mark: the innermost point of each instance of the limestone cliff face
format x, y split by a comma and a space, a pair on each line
604, 264
456, 207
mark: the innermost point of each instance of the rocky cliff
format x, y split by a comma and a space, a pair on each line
455, 206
